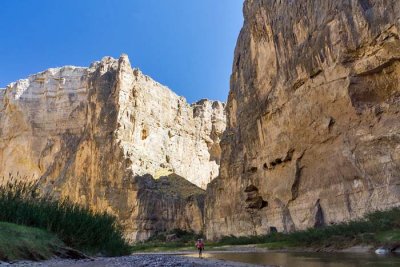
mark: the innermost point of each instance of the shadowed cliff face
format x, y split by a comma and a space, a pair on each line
313, 130
99, 135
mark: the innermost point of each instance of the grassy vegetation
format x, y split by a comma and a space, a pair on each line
76, 226
21, 242
389, 236
377, 228
179, 240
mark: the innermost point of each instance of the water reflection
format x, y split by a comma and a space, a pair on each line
286, 259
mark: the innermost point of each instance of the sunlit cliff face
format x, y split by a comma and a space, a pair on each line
313, 124
99, 136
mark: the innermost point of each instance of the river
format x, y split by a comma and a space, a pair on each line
297, 259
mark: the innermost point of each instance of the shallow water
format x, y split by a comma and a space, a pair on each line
297, 259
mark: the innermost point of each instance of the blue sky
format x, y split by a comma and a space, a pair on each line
187, 45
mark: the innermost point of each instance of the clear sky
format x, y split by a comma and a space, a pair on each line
187, 45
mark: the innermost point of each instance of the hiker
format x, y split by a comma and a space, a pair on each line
200, 247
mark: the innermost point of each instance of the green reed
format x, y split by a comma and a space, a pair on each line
76, 226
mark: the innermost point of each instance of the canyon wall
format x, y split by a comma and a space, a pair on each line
112, 139
313, 129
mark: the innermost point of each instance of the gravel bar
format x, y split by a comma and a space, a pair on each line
155, 260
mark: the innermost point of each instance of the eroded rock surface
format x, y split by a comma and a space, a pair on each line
313, 131
99, 136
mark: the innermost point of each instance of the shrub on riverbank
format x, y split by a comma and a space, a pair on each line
76, 226
175, 235
375, 228
169, 240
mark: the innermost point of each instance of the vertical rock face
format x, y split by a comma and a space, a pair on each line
161, 134
313, 130
99, 136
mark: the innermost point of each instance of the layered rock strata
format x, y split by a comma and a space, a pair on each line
313, 130
100, 135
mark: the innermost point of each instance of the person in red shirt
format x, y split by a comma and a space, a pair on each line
200, 247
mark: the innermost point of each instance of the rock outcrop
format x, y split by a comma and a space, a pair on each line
100, 135
313, 130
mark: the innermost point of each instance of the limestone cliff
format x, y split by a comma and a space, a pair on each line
99, 136
313, 130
